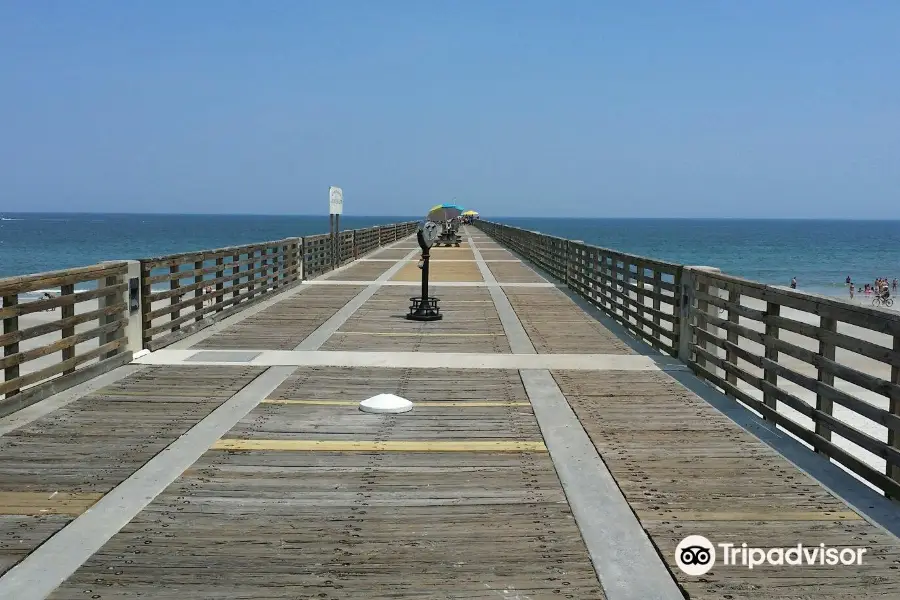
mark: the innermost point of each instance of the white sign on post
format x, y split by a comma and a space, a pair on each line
335, 200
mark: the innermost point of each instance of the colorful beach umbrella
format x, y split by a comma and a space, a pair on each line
470, 213
444, 212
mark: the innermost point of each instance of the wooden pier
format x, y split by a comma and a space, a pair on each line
567, 432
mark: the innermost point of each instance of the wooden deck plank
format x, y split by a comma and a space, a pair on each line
686, 469
394, 253
439, 271
284, 325
470, 324
556, 325
362, 270
55, 468
511, 272
366, 525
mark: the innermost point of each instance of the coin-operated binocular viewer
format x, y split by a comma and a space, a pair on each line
424, 308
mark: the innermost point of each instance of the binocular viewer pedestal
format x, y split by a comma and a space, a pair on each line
424, 308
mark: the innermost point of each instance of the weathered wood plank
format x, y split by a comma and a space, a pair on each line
687, 469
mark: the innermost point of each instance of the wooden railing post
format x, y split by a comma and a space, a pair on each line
174, 284
734, 297
10, 326
690, 285
251, 276
770, 375
893, 471
146, 304
133, 317
235, 271
198, 293
68, 311
657, 302
220, 286
824, 403
278, 265
641, 296
299, 258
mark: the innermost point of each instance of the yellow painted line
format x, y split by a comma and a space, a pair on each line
380, 446
46, 503
415, 334
478, 403
157, 393
448, 301
811, 515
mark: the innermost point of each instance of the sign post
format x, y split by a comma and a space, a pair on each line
335, 209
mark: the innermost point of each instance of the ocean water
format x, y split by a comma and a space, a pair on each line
38, 242
819, 253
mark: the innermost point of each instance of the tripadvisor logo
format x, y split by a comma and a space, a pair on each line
695, 555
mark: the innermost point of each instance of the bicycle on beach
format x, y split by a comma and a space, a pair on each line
882, 301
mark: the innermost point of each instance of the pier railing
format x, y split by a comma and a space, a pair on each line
640, 293
208, 286
824, 370
72, 337
149, 304
200, 288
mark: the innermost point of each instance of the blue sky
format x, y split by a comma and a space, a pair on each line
584, 108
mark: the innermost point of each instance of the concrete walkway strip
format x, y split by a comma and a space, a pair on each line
543, 284
58, 558
519, 342
318, 337
623, 556
413, 360
626, 562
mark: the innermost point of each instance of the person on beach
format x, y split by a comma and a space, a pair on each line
848, 280
851, 291
794, 283
894, 286
47, 296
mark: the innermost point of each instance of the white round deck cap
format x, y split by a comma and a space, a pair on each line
385, 403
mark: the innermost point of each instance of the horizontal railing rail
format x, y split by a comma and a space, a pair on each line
69, 336
98, 316
640, 293
183, 293
201, 288
317, 255
824, 370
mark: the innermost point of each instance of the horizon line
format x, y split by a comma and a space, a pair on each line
411, 217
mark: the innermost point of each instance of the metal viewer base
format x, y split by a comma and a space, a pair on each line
424, 311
